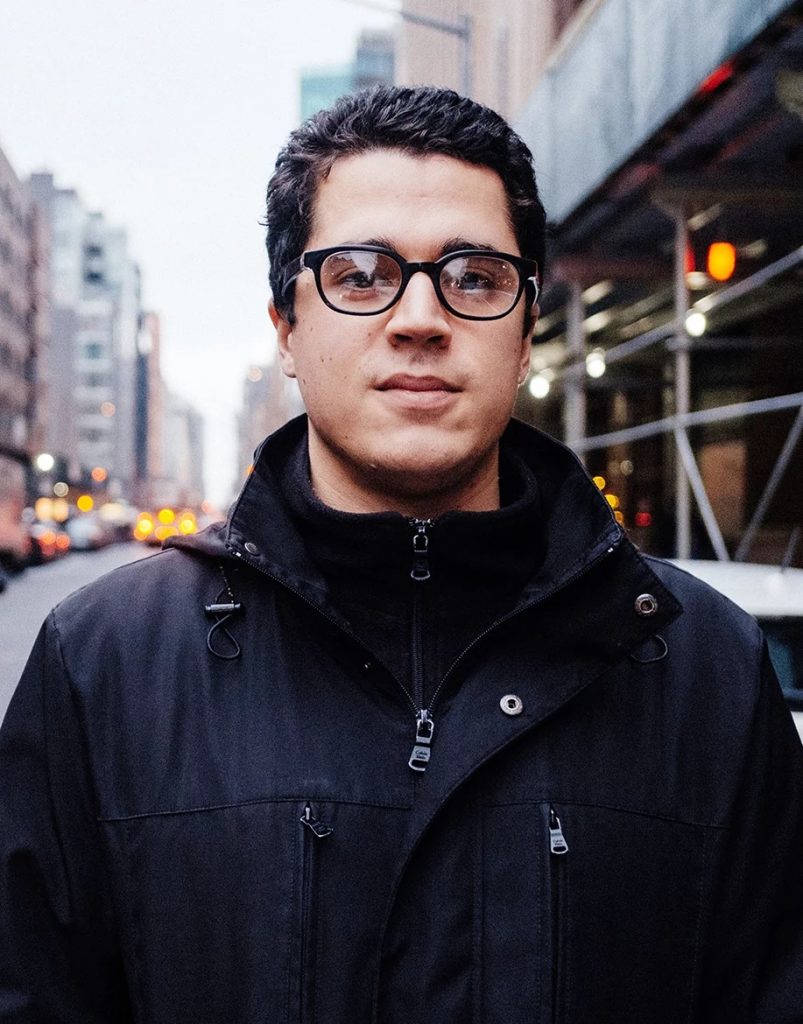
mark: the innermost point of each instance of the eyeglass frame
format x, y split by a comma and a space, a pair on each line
313, 259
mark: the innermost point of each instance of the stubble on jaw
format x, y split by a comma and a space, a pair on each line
345, 483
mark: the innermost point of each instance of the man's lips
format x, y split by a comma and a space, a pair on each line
410, 382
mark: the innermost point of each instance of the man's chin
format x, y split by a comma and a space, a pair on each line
415, 473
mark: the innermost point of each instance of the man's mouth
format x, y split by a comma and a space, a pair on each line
411, 382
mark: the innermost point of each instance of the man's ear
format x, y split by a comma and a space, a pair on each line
284, 340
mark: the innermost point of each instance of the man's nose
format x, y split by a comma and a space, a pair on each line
419, 315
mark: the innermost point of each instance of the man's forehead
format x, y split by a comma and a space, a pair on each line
359, 190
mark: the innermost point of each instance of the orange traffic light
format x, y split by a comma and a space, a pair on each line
721, 261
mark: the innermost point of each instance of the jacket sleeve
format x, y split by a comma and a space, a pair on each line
753, 963
59, 952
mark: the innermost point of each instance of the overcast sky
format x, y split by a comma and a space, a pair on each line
168, 117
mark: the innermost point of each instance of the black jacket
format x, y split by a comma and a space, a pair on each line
225, 828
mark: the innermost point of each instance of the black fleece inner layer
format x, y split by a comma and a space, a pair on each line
479, 563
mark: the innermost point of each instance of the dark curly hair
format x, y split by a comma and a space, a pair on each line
419, 121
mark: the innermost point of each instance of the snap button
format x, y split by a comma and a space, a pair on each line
251, 548
511, 704
646, 605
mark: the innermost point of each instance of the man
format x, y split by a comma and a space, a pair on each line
417, 734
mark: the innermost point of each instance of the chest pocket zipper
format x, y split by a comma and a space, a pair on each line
557, 864
313, 831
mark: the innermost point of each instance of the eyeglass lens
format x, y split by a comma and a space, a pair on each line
476, 285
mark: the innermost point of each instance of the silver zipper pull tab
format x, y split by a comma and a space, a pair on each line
420, 570
318, 829
424, 728
557, 841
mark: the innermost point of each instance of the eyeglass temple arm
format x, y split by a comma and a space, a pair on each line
291, 272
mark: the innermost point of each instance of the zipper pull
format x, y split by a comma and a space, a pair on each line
420, 570
557, 841
318, 829
424, 728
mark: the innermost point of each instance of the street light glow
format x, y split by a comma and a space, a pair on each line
696, 323
595, 363
44, 462
539, 386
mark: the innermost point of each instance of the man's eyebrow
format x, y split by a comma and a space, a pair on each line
452, 245
455, 244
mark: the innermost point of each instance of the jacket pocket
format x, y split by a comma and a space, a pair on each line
313, 832
555, 870
589, 914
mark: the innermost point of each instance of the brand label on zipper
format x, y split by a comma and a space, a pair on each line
420, 569
424, 728
316, 827
557, 841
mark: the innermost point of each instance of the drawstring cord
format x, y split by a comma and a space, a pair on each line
663, 650
223, 611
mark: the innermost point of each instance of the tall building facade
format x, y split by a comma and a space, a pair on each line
373, 64
95, 289
24, 344
495, 52
269, 400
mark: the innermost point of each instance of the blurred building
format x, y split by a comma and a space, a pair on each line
182, 454
150, 413
495, 52
95, 298
373, 64
24, 350
269, 400
169, 432
658, 130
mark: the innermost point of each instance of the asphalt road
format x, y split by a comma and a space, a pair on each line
30, 596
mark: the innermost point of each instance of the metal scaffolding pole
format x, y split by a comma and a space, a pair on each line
574, 410
692, 472
776, 476
720, 414
682, 385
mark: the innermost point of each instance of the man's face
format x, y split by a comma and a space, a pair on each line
408, 405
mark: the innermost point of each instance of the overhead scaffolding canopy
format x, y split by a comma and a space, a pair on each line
657, 130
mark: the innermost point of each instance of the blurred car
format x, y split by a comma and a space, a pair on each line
774, 597
49, 540
88, 532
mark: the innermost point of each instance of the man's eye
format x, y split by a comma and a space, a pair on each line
357, 279
474, 281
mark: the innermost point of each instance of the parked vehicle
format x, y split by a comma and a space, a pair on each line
88, 532
15, 540
49, 540
774, 597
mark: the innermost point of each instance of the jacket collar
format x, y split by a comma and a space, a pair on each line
576, 524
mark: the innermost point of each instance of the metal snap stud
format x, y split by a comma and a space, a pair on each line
511, 704
251, 548
646, 605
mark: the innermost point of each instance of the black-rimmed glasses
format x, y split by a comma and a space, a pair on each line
363, 280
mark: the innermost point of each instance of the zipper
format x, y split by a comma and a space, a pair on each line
420, 756
558, 848
420, 573
557, 841
314, 831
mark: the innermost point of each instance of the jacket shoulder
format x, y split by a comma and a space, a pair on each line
139, 596
699, 598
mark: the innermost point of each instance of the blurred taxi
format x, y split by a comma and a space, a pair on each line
155, 527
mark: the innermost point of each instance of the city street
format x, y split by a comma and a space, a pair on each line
30, 596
